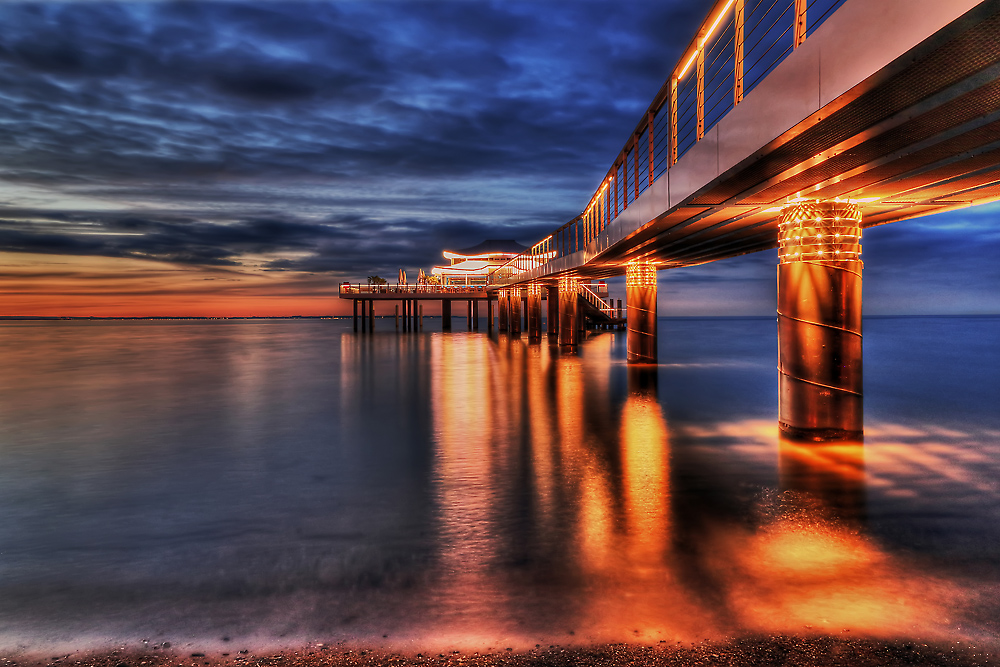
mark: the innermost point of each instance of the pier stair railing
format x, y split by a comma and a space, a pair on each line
596, 297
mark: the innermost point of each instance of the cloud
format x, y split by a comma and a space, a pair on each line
347, 138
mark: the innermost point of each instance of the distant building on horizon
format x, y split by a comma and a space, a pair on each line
471, 266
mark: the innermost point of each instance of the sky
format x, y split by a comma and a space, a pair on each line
228, 158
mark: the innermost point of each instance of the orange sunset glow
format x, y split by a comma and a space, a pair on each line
70, 286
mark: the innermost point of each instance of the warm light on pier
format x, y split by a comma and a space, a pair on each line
819, 231
640, 274
819, 320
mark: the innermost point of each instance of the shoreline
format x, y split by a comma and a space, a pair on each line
751, 651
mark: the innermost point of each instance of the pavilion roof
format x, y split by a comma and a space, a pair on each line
493, 247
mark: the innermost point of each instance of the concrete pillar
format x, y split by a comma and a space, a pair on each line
569, 313
819, 321
397, 317
552, 304
503, 310
445, 314
515, 312
371, 315
355, 314
413, 311
534, 308
364, 315
474, 304
489, 315
420, 317
640, 312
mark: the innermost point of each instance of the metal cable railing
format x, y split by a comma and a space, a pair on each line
736, 47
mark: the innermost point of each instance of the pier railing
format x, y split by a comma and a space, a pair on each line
735, 48
597, 297
360, 288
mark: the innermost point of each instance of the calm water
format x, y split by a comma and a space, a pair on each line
278, 482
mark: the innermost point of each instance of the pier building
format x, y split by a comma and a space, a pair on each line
472, 266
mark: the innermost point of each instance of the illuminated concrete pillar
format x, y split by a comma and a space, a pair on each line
468, 317
503, 310
640, 312
569, 313
552, 304
819, 321
445, 314
489, 315
474, 305
515, 311
534, 312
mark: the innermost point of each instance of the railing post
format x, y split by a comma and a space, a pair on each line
738, 58
701, 93
614, 182
651, 121
673, 121
635, 168
800, 22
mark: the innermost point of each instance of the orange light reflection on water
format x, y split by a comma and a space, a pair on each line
537, 464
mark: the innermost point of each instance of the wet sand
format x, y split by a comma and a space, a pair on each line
761, 651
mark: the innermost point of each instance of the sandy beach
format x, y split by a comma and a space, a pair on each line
751, 651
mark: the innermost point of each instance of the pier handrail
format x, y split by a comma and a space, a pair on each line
594, 299
737, 45
361, 288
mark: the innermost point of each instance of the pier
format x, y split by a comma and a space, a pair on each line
792, 125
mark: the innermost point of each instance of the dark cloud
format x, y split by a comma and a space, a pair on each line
287, 129
346, 138
344, 246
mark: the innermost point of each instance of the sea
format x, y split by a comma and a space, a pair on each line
220, 485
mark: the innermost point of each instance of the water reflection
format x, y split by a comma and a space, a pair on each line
418, 491
554, 491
